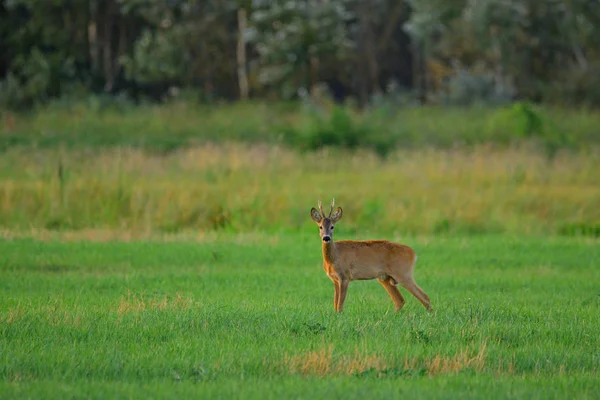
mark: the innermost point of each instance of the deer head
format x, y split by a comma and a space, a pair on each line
326, 223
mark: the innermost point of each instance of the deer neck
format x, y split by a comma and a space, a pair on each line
329, 252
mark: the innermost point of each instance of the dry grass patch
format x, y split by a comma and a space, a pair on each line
55, 314
450, 365
13, 315
133, 303
324, 362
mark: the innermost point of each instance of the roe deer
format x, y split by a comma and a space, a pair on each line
350, 260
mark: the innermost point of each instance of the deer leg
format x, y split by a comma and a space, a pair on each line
342, 297
336, 296
412, 287
393, 292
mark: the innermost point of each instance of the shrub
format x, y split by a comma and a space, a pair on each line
340, 128
523, 121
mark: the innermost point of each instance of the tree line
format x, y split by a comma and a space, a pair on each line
428, 51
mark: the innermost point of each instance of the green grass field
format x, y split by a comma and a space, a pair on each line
167, 252
251, 316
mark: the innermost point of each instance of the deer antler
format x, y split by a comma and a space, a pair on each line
321, 209
331, 210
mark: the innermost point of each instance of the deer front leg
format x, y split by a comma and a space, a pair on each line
336, 296
342, 296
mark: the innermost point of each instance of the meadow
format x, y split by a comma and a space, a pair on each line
246, 188
168, 252
251, 316
251, 167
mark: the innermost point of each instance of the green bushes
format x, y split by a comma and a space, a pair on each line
342, 128
524, 122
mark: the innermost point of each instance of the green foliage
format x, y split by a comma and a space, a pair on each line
251, 316
343, 128
114, 121
30, 81
104, 121
579, 84
38, 44
590, 229
155, 58
517, 121
510, 40
523, 121
466, 88
335, 129
534, 51
291, 37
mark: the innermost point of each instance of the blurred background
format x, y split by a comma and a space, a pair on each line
429, 116
430, 51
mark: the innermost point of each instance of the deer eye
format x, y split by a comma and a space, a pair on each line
332, 227
320, 227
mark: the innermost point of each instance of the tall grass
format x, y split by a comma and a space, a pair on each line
184, 166
237, 187
302, 126
156, 128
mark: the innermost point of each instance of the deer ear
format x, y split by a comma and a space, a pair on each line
315, 215
337, 214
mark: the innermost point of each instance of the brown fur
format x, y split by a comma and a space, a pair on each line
349, 260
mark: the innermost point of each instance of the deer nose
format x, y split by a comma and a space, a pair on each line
326, 238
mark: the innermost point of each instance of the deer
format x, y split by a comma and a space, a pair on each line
351, 260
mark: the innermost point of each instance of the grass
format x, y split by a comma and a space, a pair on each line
155, 128
168, 127
235, 168
168, 252
245, 188
251, 316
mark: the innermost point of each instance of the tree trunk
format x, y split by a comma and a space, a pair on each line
390, 27
418, 80
241, 54
425, 70
363, 89
371, 51
367, 65
93, 45
122, 40
107, 50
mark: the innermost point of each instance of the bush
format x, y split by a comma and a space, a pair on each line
523, 121
340, 128
33, 79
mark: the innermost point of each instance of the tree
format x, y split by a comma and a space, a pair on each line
299, 43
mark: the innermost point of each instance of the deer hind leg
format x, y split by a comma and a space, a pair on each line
389, 285
412, 287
